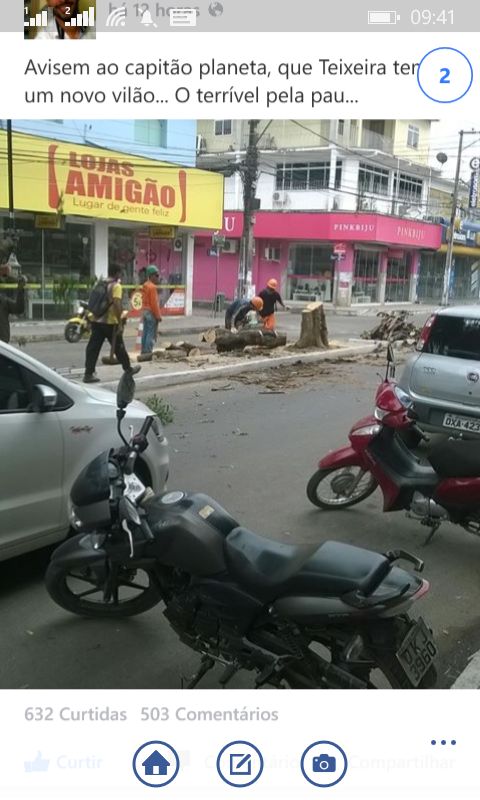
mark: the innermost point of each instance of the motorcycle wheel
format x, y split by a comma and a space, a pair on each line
94, 591
73, 332
328, 488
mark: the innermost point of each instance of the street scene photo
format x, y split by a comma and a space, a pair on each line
239, 403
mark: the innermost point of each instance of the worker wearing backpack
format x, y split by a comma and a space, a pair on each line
105, 304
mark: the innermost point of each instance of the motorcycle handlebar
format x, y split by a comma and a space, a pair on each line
145, 429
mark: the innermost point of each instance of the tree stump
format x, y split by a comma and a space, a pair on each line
313, 331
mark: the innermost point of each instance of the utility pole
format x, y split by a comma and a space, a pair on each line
449, 258
9, 241
11, 206
249, 175
453, 216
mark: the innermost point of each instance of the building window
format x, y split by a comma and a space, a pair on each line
340, 127
413, 136
407, 188
372, 179
310, 272
223, 127
307, 177
150, 132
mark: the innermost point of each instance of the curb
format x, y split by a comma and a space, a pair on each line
59, 337
210, 373
470, 677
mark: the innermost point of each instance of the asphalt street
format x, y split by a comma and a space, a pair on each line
61, 354
254, 452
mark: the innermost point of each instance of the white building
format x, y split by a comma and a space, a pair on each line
327, 165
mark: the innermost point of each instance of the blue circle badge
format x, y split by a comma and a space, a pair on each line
324, 764
240, 764
156, 764
445, 75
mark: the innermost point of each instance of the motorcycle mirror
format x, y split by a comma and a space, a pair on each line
390, 354
125, 390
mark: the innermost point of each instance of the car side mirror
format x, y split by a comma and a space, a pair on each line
125, 390
44, 398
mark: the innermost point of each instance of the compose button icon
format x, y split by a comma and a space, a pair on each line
240, 763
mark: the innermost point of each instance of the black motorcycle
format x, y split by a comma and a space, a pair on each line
304, 617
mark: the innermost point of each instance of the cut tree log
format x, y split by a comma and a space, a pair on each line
313, 331
185, 347
249, 336
210, 336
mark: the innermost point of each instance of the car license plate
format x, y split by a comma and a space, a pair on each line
417, 652
456, 423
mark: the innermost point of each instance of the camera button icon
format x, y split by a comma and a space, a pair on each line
324, 764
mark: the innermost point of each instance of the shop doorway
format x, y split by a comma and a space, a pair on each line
365, 276
430, 278
397, 288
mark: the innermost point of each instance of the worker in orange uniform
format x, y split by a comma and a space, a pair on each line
150, 312
270, 297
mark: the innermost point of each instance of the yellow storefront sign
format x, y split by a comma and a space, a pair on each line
58, 177
53, 221
162, 232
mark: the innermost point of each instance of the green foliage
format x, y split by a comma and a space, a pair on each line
64, 291
160, 408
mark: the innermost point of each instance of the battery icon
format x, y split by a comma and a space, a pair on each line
383, 17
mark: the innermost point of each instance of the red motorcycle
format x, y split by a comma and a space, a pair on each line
444, 487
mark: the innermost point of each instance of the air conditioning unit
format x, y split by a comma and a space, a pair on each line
178, 245
281, 199
201, 145
272, 254
269, 143
230, 246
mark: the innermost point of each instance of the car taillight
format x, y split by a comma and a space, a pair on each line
425, 334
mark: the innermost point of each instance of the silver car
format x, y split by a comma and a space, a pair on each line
50, 428
443, 376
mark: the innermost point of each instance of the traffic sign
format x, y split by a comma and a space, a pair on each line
475, 163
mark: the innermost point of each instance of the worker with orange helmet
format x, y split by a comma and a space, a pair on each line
270, 297
237, 312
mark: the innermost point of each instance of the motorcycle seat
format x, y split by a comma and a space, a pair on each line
270, 569
456, 458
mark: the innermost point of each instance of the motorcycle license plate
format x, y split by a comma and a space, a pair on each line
457, 423
417, 652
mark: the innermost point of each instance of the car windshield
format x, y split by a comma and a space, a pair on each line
457, 337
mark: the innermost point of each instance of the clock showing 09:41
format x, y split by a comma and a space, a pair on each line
427, 16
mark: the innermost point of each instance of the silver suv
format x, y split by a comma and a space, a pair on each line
443, 376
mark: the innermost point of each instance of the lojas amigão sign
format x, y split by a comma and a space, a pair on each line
75, 179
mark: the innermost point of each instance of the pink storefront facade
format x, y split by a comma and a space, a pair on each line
344, 258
